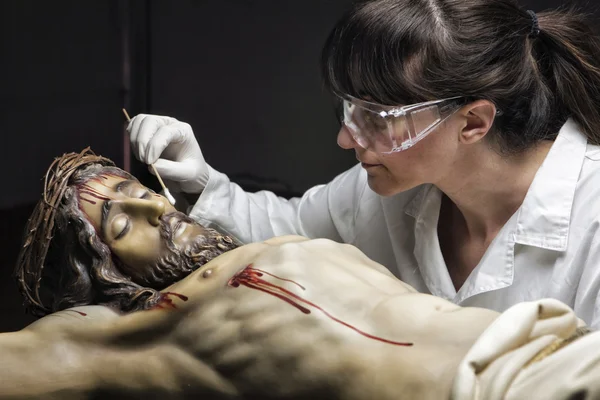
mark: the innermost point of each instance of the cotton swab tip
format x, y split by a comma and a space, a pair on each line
169, 196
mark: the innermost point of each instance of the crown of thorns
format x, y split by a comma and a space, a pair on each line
39, 230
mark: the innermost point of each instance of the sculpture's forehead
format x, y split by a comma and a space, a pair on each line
96, 191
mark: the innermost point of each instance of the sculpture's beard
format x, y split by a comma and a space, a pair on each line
180, 262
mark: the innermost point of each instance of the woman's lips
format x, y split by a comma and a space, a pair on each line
365, 165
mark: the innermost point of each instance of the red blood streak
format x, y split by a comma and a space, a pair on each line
281, 279
252, 278
165, 300
78, 312
182, 297
90, 191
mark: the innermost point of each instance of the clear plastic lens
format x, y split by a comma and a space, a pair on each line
387, 129
369, 129
425, 119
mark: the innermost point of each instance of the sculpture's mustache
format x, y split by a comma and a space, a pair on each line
204, 247
167, 221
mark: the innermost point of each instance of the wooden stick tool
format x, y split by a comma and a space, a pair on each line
168, 194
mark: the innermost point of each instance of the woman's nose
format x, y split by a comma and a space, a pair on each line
147, 208
345, 139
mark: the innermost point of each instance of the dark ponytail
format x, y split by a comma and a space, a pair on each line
401, 52
569, 50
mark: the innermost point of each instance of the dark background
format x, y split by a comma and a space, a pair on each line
243, 73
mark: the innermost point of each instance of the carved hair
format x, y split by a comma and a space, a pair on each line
63, 263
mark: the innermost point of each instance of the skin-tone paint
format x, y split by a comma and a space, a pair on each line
252, 278
128, 218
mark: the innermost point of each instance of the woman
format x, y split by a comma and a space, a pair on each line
476, 124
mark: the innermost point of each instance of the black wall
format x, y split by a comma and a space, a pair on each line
61, 87
60, 91
243, 73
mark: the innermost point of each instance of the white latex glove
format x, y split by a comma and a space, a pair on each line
173, 149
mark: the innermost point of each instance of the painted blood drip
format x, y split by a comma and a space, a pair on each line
89, 191
167, 302
78, 312
252, 278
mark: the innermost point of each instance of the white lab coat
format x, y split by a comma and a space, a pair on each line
550, 248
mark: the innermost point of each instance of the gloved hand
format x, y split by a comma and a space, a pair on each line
172, 147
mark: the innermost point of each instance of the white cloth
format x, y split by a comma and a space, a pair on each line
550, 248
496, 367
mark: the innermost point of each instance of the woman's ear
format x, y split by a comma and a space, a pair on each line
478, 119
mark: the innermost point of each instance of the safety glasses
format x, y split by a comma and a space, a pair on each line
388, 129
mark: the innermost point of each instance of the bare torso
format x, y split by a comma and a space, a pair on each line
290, 318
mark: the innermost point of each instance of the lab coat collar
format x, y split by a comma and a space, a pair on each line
541, 221
544, 217
427, 251
431, 262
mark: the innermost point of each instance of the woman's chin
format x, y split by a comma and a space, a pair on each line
385, 187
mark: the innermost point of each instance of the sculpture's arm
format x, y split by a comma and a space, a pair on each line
127, 355
36, 366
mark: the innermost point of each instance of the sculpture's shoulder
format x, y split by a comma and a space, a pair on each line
75, 315
291, 257
279, 240
325, 253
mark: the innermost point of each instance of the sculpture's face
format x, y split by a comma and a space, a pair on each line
140, 227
